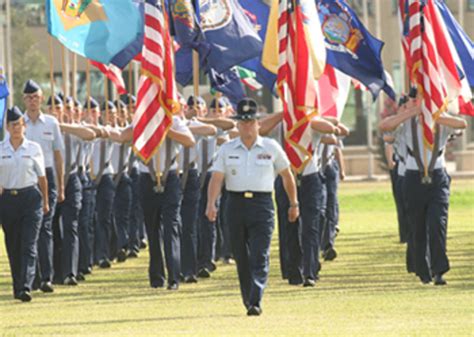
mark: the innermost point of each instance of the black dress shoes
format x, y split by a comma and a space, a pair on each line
173, 286
204, 273
24, 296
254, 310
104, 264
46, 287
329, 254
439, 280
190, 279
122, 255
309, 282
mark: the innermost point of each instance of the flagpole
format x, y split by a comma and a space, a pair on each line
73, 77
51, 72
88, 85
106, 98
130, 83
63, 65
196, 73
8, 43
367, 103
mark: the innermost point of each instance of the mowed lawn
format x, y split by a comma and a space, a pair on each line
364, 292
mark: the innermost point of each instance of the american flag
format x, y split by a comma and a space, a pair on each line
295, 83
432, 68
113, 73
157, 95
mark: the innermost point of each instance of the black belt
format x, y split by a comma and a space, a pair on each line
250, 194
19, 191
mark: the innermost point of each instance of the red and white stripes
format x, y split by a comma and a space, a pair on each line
156, 98
295, 83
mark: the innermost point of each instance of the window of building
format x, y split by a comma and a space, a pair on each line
470, 5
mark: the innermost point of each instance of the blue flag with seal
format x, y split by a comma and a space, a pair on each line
3, 97
227, 83
461, 40
258, 11
94, 29
229, 32
351, 48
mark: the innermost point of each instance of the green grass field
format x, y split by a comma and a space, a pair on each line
365, 291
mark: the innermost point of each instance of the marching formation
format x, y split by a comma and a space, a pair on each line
98, 203
87, 185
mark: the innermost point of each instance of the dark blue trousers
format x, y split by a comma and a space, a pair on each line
189, 217
223, 246
86, 224
399, 203
104, 206
331, 218
312, 210
289, 235
45, 241
427, 210
136, 214
207, 231
162, 221
122, 207
70, 209
403, 217
21, 215
251, 224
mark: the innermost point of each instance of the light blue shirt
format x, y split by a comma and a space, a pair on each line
251, 169
45, 131
404, 132
20, 168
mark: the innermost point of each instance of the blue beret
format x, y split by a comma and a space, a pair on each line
110, 104
217, 103
31, 87
126, 99
57, 100
94, 104
192, 100
120, 103
77, 104
14, 114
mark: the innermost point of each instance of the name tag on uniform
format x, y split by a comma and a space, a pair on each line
47, 136
6, 157
264, 159
233, 160
26, 156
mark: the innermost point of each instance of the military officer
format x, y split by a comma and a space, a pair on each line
191, 186
426, 186
44, 129
123, 196
102, 176
332, 168
75, 135
207, 229
248, 165
22, 205
161, 197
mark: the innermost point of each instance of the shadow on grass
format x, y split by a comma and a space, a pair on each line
123, 321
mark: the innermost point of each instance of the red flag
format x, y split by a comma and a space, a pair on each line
113, 73
156, 99
295, 83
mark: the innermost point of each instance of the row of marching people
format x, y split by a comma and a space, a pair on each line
98, 204
421, 184
102, 201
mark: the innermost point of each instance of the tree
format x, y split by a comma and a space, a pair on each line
27, 61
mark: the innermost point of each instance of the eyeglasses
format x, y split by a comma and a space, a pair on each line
31, 97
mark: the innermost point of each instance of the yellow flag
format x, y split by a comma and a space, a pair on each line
314, 37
